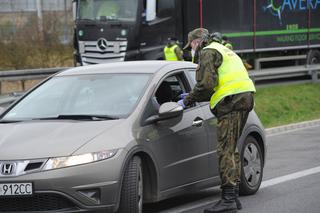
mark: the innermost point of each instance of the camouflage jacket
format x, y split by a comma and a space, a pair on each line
206, 76
179, 53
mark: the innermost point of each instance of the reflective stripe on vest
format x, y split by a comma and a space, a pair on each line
233, 76
169, 53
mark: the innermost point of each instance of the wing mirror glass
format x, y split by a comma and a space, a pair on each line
166, 111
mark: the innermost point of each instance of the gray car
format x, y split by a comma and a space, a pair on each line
110, 137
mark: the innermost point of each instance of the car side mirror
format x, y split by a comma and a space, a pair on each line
166, 111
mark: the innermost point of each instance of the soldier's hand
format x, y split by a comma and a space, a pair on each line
181, 103
183, 95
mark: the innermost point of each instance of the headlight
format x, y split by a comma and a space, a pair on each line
61, 162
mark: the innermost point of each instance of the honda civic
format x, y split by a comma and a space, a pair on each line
111, 137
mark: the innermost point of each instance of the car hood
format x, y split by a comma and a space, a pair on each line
43, 139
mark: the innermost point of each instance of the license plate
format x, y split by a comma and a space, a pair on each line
15, 189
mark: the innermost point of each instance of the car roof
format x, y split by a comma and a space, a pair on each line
127, 67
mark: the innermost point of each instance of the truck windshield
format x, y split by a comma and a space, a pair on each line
103, 10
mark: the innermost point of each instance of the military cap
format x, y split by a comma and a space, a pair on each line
194, 34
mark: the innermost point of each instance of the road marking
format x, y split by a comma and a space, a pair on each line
274, 181
289, 177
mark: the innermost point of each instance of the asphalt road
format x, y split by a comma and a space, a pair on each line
291, 182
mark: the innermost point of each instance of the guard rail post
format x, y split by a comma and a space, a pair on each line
314, 76
314, 72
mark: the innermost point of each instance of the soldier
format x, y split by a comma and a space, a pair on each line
222, 79
172, 51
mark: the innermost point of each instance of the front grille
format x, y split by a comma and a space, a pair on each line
38, 202
33, 166
24, 167
92, 54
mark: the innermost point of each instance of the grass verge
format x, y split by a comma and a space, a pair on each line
285, 104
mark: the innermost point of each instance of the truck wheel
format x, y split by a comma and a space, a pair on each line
313, 57
251, 167
132, 188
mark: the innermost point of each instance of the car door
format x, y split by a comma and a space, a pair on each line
179, 145
210, 125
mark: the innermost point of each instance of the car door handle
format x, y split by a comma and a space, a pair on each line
197, 123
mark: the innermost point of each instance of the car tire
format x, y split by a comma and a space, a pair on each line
131, 199
313, 57
251, 167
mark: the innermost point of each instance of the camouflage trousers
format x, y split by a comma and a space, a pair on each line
230, 127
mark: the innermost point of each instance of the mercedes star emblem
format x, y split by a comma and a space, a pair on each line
102, 44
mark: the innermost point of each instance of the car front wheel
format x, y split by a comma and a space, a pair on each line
132, 188
252, 167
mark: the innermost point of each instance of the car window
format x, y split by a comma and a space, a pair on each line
170, 90
192, 74
97, 94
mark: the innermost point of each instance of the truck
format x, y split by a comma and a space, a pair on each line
263, 32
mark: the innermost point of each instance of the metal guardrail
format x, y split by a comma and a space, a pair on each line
257, 75
286, 72
28, 74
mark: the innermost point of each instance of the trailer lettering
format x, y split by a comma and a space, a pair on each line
277, 8
292, 38
288, 3
302, 7
292, 27
315, 37
294, 5
309, 4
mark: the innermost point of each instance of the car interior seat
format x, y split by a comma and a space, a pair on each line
164, 93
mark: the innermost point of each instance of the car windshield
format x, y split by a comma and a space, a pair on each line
71, 97
122, 10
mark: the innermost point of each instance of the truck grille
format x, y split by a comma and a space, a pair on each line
91, 53
38, 202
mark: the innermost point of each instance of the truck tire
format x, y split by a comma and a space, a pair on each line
251, 167
313, 57
131, 199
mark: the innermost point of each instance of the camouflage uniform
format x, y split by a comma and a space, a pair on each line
179, 53
231, 112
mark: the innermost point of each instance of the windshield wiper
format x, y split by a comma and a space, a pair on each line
80, 117
86, 19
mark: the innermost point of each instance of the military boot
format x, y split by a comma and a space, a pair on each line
236, 190
227, 204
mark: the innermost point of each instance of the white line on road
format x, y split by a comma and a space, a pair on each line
289, 177
264, 184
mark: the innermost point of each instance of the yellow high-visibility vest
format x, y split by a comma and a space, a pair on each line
233, 76
169, 53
